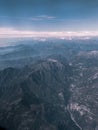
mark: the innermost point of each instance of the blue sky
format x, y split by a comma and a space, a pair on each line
49, 15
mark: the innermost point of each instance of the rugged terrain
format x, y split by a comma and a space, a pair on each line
53, 86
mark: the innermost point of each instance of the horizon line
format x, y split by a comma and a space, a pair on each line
11, 32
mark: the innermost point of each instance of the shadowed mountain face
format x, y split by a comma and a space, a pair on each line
35, 97
57, 89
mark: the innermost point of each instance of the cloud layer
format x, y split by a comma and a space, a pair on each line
10, 32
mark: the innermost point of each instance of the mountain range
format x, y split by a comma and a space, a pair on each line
55, 90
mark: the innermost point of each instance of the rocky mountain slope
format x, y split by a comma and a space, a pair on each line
36, 97
54, 86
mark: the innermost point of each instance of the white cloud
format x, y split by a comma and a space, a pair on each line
46, 17
10, 32
43, 17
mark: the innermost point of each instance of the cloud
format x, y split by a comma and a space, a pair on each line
43, 17
10, 33
46, 17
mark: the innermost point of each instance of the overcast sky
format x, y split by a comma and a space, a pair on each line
49, 15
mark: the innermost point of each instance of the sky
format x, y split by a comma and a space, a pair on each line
49, 15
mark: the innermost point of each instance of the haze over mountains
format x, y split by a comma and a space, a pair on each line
9, 32
49, 85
